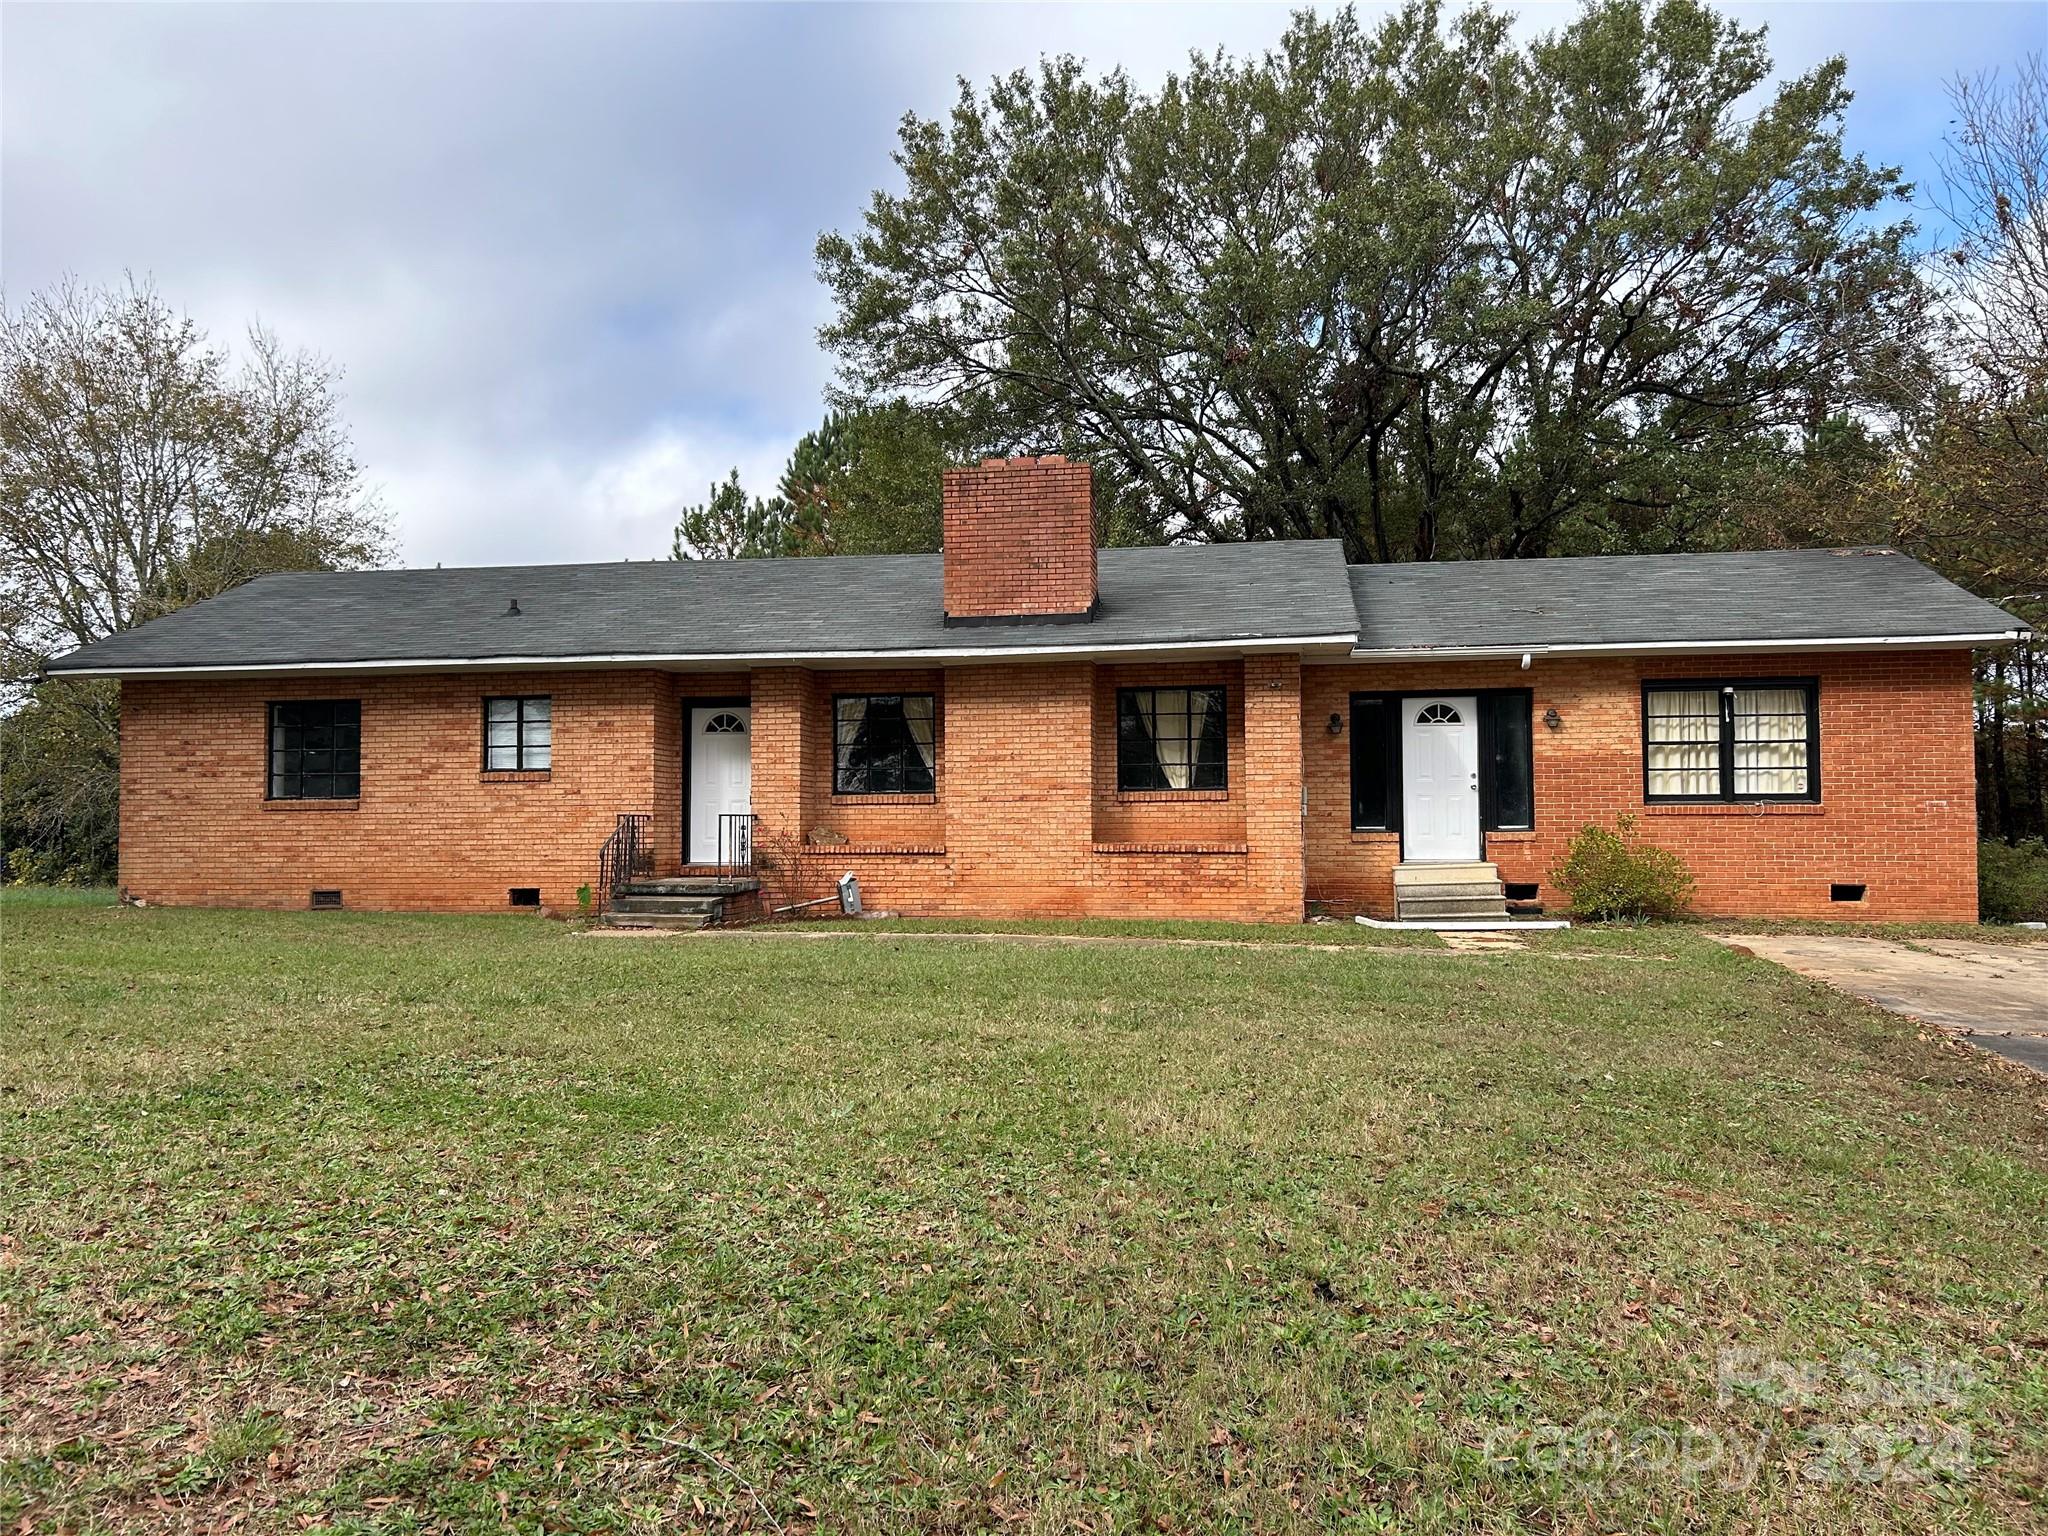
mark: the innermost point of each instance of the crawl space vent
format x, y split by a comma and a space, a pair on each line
1841, 892
326, 901
525, 895
1520, 890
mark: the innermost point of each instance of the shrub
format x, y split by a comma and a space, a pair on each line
2012, 882
1610, 873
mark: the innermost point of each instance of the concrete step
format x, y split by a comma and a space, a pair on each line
684, 920
673, 905
1451, 906
1445, 874
692, 885
1491, 890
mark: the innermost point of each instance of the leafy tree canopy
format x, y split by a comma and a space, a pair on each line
1412, 287
142, 469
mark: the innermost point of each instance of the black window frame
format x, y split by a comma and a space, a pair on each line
1724, 689
1129, 764
519, 744
839, 767
273, 723
1376, 756
1496, 707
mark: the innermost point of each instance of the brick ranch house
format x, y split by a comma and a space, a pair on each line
1026, 724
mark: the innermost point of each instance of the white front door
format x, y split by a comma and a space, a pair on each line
721, 781
1440, 779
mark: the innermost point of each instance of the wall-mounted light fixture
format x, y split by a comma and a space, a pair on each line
1336, 723
1551, 718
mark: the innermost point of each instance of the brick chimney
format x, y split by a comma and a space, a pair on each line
1020, 541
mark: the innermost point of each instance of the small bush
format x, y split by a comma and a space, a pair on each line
2012, 882
1610, 873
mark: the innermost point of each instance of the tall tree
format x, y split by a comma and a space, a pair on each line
730, 525
865, 481
1978, 502
141, 468
1414, 287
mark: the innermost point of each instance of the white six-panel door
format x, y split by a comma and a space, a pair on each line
1440, 779
721, 774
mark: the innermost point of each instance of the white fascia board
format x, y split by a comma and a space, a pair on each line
1669, 647
1336, 646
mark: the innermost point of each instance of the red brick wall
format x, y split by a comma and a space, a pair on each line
1019, 538
431, 829
1169, 817
1898, 800
878, 821
1027, 819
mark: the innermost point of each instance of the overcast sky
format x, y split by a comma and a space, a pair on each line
563, 253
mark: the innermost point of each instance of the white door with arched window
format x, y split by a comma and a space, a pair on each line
721, 781
1440, 779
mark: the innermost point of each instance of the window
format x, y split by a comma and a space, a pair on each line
316, 749
518, 733
1507, 795
1507, 767
1375, 763
883, 744
1171, 738
725, 724
1739, 741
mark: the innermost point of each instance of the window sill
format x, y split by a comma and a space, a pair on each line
1739, 808
1374, 835
1218, 848
514, 776
875, 850
1176, 796
885, 799
311, 805
1511, 835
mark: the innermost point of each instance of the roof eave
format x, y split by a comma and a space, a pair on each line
1947, 642
1333, 645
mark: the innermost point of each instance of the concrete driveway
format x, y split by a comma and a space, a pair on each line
1993, 995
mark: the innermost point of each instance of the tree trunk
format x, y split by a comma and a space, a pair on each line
2030, 690
2001, 786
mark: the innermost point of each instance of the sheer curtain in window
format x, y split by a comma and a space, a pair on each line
1173, 731
1684, 741
1770, 741
917, 714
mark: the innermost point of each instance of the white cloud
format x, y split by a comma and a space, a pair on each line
541, 506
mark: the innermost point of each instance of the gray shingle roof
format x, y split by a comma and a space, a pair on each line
1209, 594
1188, 594
1648, 600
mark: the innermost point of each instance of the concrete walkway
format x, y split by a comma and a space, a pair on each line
1993, 995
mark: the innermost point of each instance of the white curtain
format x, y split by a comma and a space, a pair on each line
501, 733
1167, 719
1770, 741
1685, 742
917, 714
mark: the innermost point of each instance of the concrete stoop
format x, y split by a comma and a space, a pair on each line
1466, 892
686, 901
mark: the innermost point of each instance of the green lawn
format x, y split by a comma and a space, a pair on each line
406, 1224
